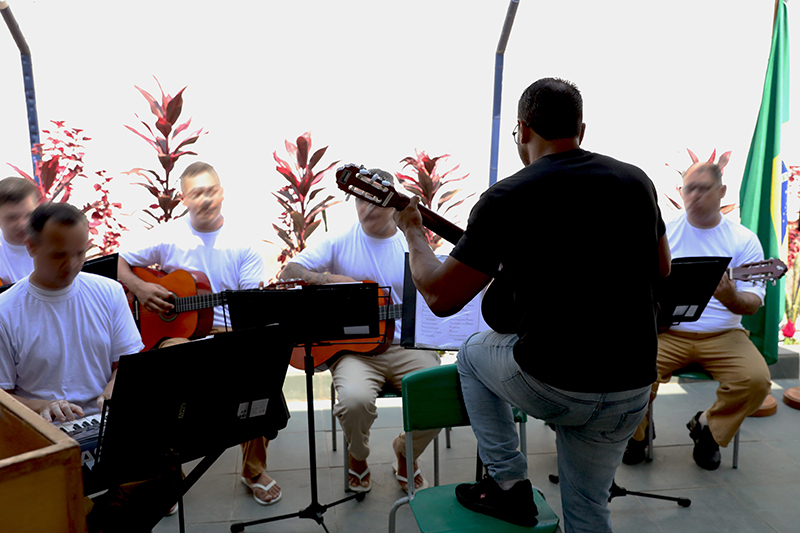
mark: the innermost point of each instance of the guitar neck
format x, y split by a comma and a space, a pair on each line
433, 221
390, 312
198, 301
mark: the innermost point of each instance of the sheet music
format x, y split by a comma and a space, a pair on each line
450, 332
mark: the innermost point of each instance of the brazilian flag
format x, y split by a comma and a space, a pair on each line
762, 197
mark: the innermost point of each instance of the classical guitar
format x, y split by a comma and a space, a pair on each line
360, 183
325, 355
193, 314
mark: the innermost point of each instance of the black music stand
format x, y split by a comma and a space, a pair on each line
682, 297
350, 312
684, 294
173, 388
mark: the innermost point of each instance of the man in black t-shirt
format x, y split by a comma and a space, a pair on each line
574, 241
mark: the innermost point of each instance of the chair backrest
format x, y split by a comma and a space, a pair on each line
432, 399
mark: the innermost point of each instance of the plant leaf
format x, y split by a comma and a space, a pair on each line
316, 157
303, 146
174, 107
155, 107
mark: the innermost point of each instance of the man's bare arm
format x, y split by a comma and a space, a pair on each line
738, 302
151, 295
664, 257
447, 287
297, 271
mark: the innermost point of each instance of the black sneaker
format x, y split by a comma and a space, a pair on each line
636, 450
706, 450
514, 505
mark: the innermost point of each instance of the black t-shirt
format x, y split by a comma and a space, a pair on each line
575, 236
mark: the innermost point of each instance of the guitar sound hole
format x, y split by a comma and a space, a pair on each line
172, 314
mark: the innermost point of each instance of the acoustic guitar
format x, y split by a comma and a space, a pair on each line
193, 314
325, 355
371, 188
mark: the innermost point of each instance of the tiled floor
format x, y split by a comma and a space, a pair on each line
760, 496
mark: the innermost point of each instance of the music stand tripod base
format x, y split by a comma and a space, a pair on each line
315, 510
616, 490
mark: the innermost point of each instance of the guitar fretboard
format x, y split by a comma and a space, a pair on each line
198, 301
390, 312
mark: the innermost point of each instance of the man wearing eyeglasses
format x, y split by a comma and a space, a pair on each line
717, 341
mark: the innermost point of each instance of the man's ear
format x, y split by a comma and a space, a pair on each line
31, 246
583, 131
722, 191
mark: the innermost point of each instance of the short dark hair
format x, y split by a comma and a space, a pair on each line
197, 168
709, 167
59, 212
553, 108
14, 190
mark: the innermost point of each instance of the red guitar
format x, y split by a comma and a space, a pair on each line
325, 356
193, 314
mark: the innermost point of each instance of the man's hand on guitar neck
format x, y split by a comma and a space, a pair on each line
297, 271
741, 303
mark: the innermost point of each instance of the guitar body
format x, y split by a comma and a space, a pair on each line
325, 356
155, 327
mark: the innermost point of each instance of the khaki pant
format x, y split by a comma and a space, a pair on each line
359, 378
732, 360
254, 452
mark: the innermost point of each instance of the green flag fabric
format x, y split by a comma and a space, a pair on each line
762, 197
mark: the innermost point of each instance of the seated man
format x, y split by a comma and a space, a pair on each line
69, 371
374, 250
717, 341
204, 242
18, 199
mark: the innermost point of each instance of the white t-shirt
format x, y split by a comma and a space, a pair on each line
62, 344
15, 263
361, 257
225, 256
727, 239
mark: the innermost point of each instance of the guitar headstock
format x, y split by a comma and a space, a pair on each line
285, 284
358, 181
767, 270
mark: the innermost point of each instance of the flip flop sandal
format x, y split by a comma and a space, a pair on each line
403, 479
360, 477
252, 485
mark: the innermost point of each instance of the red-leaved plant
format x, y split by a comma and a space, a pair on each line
60, 161
299, 218
167, 111
427, 184
793, 275
677, 202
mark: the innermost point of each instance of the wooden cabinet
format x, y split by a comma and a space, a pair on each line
41, 489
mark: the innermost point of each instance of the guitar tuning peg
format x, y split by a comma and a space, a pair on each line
364, 172
386, 183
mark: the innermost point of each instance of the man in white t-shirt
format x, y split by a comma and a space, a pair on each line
70, 371
373, 249
18, 199
717, 341
207, 243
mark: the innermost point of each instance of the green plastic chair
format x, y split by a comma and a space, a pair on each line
696, 372
432, 399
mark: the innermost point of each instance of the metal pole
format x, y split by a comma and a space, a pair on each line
498, 88
27, 76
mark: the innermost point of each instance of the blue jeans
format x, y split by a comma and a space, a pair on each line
592, 429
